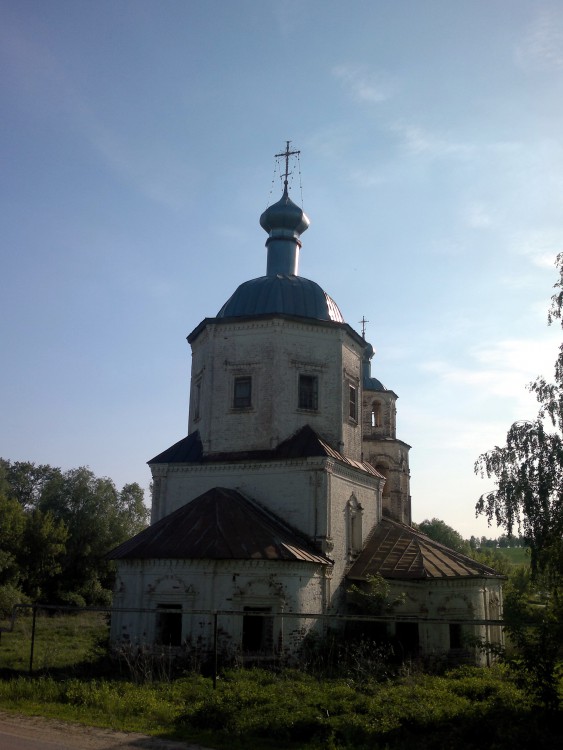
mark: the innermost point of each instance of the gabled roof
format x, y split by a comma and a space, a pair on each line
221, 524
397, 551
305, 443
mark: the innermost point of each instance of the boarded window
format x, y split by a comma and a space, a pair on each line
308, 392
242, 392
169, 624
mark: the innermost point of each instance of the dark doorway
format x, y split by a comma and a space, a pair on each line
169, 624
406, 634
456, 640
256, 629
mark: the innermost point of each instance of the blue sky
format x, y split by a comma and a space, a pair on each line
137, 147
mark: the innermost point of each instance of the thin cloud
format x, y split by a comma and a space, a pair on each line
540, 246
363, 84
478, 216
502, 369
418, 141
542, 47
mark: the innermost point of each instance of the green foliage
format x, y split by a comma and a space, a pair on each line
493, 558
440, 532
469, 707
376, 597
528, 495
59, 527
472, 708
529, 468
10, 595
42, 547
534, 624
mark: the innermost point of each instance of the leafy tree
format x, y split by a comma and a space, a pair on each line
529, 469
12, 524
57, 527
528, 495
98, 518
439, 531
26, 481
41, 552
376, 597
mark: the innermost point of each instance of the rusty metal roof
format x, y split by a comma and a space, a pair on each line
221, 524
400, 552
305, 443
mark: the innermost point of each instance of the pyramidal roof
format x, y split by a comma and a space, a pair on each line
305, 443
400, 552
221, 524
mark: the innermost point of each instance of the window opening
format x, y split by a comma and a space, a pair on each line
256, 629
353, 402
354, 526
455, 635
169, 624
308, 392
197, 399
243, 392
407, 636
376, 414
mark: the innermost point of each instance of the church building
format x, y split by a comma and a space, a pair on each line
290, 486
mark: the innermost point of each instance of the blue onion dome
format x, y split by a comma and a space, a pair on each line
369, 383
283, 294
282, 290
285, 216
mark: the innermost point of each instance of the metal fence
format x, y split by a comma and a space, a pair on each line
169, 646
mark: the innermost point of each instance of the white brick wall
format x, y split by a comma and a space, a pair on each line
273, 351
203, 586
311, 495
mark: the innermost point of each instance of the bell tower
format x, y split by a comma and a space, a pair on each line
380, 445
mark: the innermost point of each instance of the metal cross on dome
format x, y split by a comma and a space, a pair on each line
287, 153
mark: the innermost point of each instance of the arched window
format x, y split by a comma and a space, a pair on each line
376, 414
354, 522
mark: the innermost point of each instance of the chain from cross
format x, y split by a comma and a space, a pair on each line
287, 153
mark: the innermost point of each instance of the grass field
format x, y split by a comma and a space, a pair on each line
515, 555
62, 643
467, 708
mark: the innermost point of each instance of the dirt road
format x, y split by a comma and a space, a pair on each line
18, 732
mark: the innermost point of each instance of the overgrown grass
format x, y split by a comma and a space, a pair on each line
467, 708
62, 643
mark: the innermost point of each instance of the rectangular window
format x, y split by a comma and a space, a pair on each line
243, 393
455, 635
169, 624
353, 403
257, 630
308, 392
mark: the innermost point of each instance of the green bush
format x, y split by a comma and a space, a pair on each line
10, 595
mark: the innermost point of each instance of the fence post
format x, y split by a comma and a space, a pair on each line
32, 640
215, 649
